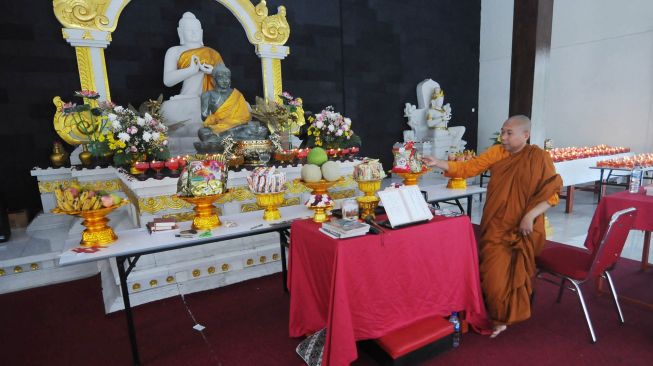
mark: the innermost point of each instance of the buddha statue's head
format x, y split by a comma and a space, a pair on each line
190, 29
222, 76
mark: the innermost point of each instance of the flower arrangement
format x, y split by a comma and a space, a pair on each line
281, 119
330, 129
89, 119
130, 134
319, 200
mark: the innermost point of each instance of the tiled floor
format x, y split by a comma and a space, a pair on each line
572, 228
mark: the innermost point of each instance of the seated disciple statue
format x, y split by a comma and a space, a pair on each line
190, 64
223, 108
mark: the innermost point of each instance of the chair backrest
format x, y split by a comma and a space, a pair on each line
613, 241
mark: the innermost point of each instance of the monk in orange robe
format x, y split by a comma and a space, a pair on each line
524, 185
223, 108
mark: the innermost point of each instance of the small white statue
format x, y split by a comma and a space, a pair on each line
191, 64
438, 115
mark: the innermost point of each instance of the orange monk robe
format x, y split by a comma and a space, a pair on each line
207, 56
507, 259
232, 112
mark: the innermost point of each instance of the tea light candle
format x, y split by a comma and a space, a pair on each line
156, 164
172, 164
142, 165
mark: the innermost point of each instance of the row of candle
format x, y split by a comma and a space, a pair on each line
302, 153
643, 160
573, 153
172, 164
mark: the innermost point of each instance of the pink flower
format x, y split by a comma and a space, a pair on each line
90, 94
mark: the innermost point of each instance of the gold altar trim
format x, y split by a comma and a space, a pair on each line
347, 193
295, 187
155, 204
100, 185
85, 14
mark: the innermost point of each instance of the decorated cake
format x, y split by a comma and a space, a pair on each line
369, 169
266, 180
203, 178
406, 159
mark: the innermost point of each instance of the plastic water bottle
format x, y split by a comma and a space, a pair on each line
456, 328
635, 178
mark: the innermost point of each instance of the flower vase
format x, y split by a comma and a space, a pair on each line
59, 157
85, 156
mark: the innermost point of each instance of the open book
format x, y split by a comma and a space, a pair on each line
405, 205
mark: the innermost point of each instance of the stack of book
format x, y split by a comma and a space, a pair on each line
161, 224
341, 228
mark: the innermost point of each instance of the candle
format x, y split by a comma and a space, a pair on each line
156, 164
142, 165
181, 161
172, 164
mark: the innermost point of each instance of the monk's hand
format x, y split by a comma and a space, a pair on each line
429, 160
526, 225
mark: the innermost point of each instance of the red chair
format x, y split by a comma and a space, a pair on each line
579, 265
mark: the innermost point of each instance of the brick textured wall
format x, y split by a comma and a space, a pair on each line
364, 57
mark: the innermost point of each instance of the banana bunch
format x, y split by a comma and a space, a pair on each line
71, 200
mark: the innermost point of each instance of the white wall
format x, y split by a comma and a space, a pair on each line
600, 81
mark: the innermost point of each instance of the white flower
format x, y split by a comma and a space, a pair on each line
156, 136
124, 137
115, 125
339, 133
345, 128
119, 109
331, 128
140, 121
347, 121
112, 117
319, 124
148, 118
164, 142
147, 136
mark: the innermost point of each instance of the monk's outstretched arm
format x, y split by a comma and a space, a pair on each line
470, 168
526, 225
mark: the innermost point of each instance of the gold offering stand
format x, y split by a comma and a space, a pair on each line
369, 201
320, 187
410, 179
96, 231
206, 217
271, 203
457, 183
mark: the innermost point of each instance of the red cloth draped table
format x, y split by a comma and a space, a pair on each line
365, 287
619, 201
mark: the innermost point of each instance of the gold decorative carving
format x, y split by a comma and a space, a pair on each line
170, 279
275, 256
237, 194
249, 207
346, 193
85, 67
87, 14
276, 79
64, 33
102, 185
50, 185
34, 266
136, 286
155, 204
88, 36
18, 269
154, 283
225, 267
2, 272
272, 29
179, 217
211, 270
295, 187
250, 261
196, 273
263, 259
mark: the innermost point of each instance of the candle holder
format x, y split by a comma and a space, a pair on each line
157, 166
271, 203
320, 188
96, 231
369, 201
457, 183
140, 167
173, 166
206, 217
410, 179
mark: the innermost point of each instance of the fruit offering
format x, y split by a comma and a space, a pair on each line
407, 159
74, 198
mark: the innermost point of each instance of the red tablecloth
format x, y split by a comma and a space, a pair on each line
613, 203
364, 287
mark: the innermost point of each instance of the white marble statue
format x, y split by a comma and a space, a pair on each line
190, 64
429, 122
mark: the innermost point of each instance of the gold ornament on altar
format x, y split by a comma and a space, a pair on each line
369, 201
320, 201
270, 202
206, 217
410, 179
457, 183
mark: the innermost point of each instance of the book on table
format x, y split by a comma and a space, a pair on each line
405, 205
342, 228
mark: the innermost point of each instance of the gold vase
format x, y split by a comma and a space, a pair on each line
410, 179
457, 183
368, 202
59, 157
96, 231
206, 217
85, 156
271, 203
320, 187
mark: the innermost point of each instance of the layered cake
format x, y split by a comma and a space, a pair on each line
203, 178
407, 159
266, 180
369, 169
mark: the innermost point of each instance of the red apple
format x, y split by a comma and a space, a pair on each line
107, 200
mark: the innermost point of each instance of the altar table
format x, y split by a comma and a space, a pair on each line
619, 201
365, 287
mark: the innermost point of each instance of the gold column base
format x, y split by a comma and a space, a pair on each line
410, 179
457, 183
206, 217
369, 201
320, 214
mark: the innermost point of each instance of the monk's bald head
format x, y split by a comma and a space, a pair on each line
515, 133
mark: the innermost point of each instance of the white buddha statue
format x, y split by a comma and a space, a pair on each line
190, 64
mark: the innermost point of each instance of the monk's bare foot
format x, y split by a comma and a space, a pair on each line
498, 329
